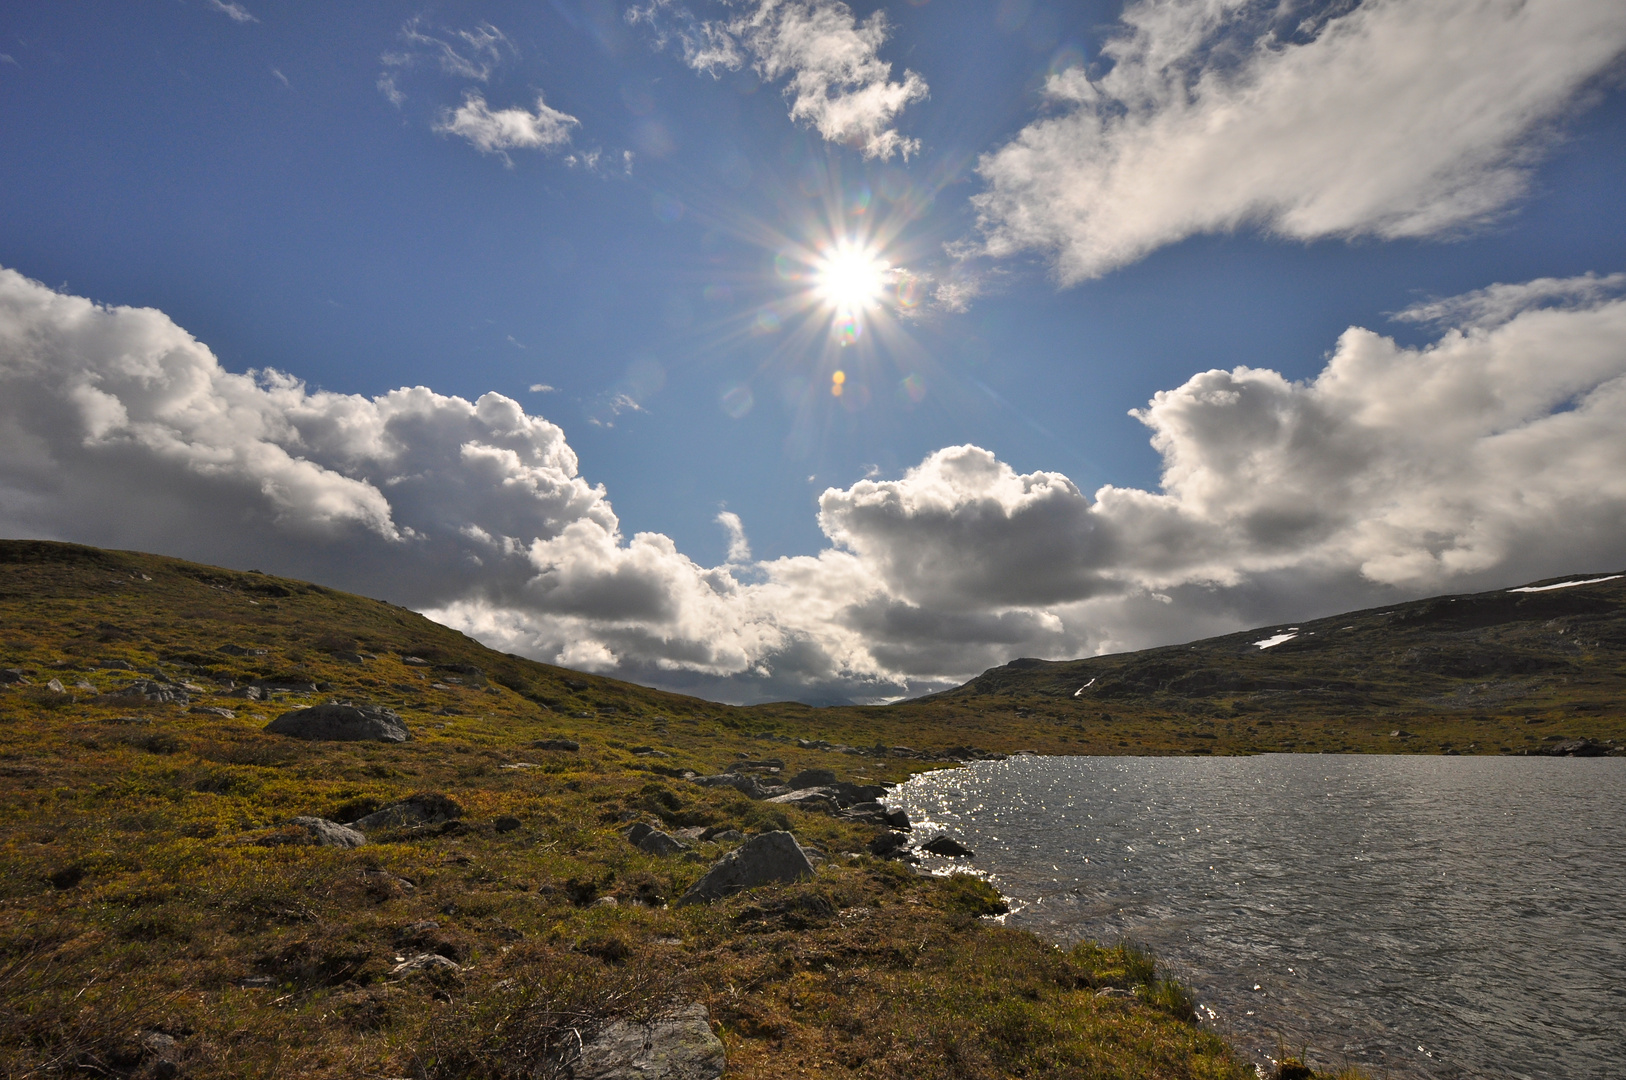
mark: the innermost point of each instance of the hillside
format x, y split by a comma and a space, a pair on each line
1529, 669
188, 894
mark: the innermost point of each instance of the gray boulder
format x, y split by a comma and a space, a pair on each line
652, 841
745, 785
1577, 748
947, 846
415, 810
341, 723
818, 800
152, 690
812, 778
316, 831
770, 857
678, 1045
14, 676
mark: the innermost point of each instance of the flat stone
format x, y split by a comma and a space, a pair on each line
341, 723
819, 800
770, 857
809, 778
151, 690
425, 964
567, 745
213, 710
424, 809
678, 1045
745, 785
652, 841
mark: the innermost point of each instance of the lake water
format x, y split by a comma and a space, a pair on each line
1434, 917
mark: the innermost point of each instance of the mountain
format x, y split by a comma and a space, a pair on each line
1513, 670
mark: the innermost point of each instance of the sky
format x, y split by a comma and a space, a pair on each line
799, 349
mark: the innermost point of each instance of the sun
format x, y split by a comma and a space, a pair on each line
850, 278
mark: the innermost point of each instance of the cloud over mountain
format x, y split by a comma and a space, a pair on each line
1496, 452
1389, 118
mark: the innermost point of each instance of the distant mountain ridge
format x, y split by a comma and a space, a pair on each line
1557, 646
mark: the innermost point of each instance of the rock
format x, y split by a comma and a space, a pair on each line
56, 687
150, 690
426, 809
605, 901
14, 677
83, 683
888, 844
868, 813
250, 692
947, 846
898, 819
1576, 748
773, 856
115, 665
341, 723
649, 751
506, 824
239, 650
428, 963
315, 831
652, 841
678, 1045
568, 745
745, 785
213, 710
268, 687
809, 778
414, 661
818, 800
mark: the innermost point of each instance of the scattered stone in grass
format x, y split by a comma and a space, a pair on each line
678, 1045
314, 831
430, 964
947, 846
818, 800
84, 684
652, 841
256, 982
67, 878
888, 845
161, 693
423, 809
213, 710
1576, 748
15, 677
605, 901
56, 687
414, 661
568, 745
506, 824
745, 785
115, 665
769, 857
812, 778
341, 723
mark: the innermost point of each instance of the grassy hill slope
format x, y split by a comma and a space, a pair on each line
157, 917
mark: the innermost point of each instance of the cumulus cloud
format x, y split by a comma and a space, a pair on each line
498, 131
1388, 118
830, 62
1495, 453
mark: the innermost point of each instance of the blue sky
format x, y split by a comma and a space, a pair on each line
328, 192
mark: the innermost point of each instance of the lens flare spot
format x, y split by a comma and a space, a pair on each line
738, 400
860, 203
838, 382
914, 388
911, 291
766, 322
847, 330
785, 265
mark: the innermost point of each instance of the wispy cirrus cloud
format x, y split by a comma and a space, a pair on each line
828, 59
1495, 453
496, 131
1389, 118
464, 54
232, 10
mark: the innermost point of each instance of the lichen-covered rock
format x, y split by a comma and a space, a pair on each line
425, 809
770, 857
341, 723
678, 1045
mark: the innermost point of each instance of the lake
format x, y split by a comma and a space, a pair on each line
1431, 917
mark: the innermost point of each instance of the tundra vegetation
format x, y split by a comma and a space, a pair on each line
177, 903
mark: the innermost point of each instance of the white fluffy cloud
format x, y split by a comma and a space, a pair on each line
1497, 452
495, 131
829, 60
1390, 118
